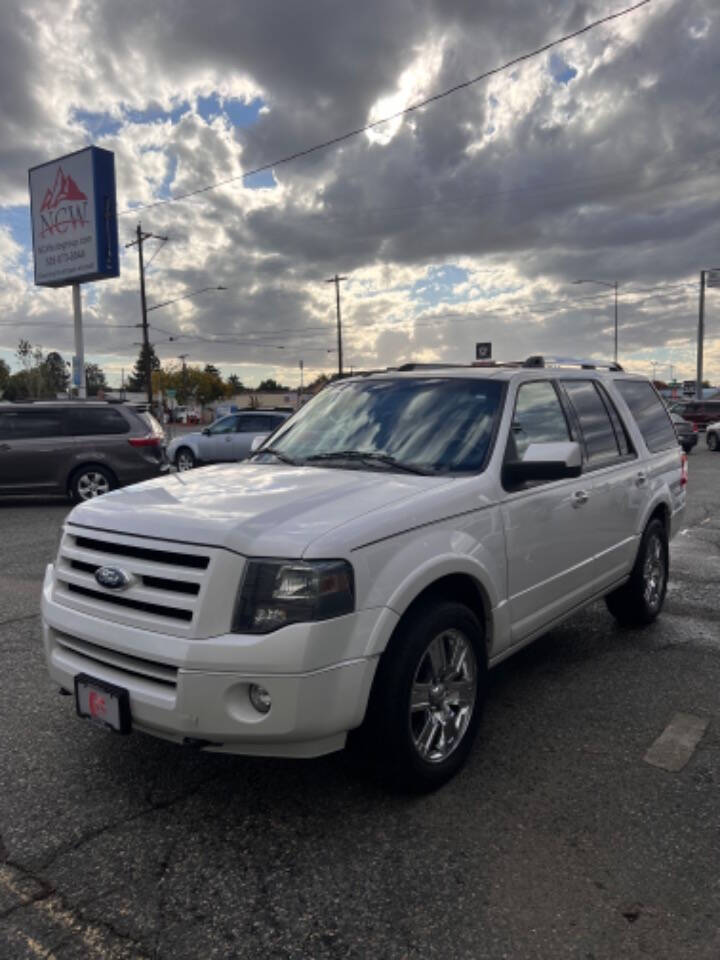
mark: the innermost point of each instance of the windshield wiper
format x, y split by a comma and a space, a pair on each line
368, 457
277, 453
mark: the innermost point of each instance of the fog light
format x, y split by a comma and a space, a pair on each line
260, 698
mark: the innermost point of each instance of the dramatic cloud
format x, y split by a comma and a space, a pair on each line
466, 220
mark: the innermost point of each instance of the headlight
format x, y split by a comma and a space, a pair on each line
275, 593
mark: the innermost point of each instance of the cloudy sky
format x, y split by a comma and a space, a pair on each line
465, 221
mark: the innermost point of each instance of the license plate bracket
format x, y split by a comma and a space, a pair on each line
103, 703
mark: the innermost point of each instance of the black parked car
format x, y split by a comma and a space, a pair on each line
686, 432
83, 448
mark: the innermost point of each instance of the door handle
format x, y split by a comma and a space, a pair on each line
640, 479
580, 497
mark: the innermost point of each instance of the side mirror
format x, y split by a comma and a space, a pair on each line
257, 442
206, 431
544, 461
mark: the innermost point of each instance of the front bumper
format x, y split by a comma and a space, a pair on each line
311, 711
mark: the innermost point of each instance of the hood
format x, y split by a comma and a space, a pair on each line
257, 509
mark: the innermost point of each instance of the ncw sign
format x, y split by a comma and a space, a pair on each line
74, 222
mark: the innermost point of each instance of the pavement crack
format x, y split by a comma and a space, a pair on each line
29, 616
154, 807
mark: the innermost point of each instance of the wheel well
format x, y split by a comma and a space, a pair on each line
90, 465
661, 513
185, 446
461, 588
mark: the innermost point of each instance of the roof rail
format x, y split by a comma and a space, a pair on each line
405, 367
540, 361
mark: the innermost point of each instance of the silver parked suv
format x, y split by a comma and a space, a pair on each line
83, 448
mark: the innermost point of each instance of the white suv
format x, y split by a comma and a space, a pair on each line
355, 579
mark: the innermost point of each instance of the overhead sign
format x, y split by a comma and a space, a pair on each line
74, 221
483, 351
712, 278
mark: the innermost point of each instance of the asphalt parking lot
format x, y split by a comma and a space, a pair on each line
558, 840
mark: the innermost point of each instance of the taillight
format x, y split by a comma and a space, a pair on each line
695, 427
149, 441
684, 471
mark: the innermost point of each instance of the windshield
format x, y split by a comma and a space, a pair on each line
433, 424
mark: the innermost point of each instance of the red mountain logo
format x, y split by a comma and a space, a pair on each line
63, 190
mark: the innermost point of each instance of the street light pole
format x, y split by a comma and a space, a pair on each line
615, 352
614, 287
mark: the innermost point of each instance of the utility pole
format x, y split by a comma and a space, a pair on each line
337, 281
140, 237
183, 357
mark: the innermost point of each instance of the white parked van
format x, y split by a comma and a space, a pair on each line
355, 579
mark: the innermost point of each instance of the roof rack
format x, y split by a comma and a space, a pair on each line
405, 367
540, 361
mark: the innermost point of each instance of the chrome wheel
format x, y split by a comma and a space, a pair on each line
92, 484
654, 573
443, 694
184, 460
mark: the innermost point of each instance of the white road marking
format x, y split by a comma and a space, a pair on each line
676, 744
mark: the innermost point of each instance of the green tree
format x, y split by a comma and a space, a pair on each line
137, 379
271, 384
211, 369
94, 379
55, 373
234, 383
4, 375
30, 382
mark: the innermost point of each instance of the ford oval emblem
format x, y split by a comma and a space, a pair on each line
113, 578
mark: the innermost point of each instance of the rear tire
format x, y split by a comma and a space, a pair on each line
185, 459
712, 441
426, 701
640, 600
89, 482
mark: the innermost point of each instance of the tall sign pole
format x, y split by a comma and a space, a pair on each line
701, 338
74, 230
79, 369
708, 278
337, 281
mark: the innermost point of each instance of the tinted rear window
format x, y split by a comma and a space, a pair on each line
650, 414
30, 424
93, 421
597, 429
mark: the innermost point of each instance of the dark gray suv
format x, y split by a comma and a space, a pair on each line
83, 448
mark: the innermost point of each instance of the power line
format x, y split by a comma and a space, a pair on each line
341, 138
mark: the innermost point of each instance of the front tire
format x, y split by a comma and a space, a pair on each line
427, 699
640, 600
185, 459
713, 442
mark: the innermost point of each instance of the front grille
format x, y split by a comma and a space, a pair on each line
144, 553
166, 586
154, 608
162, 583
129, 664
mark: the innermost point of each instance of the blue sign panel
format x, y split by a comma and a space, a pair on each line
74, 218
